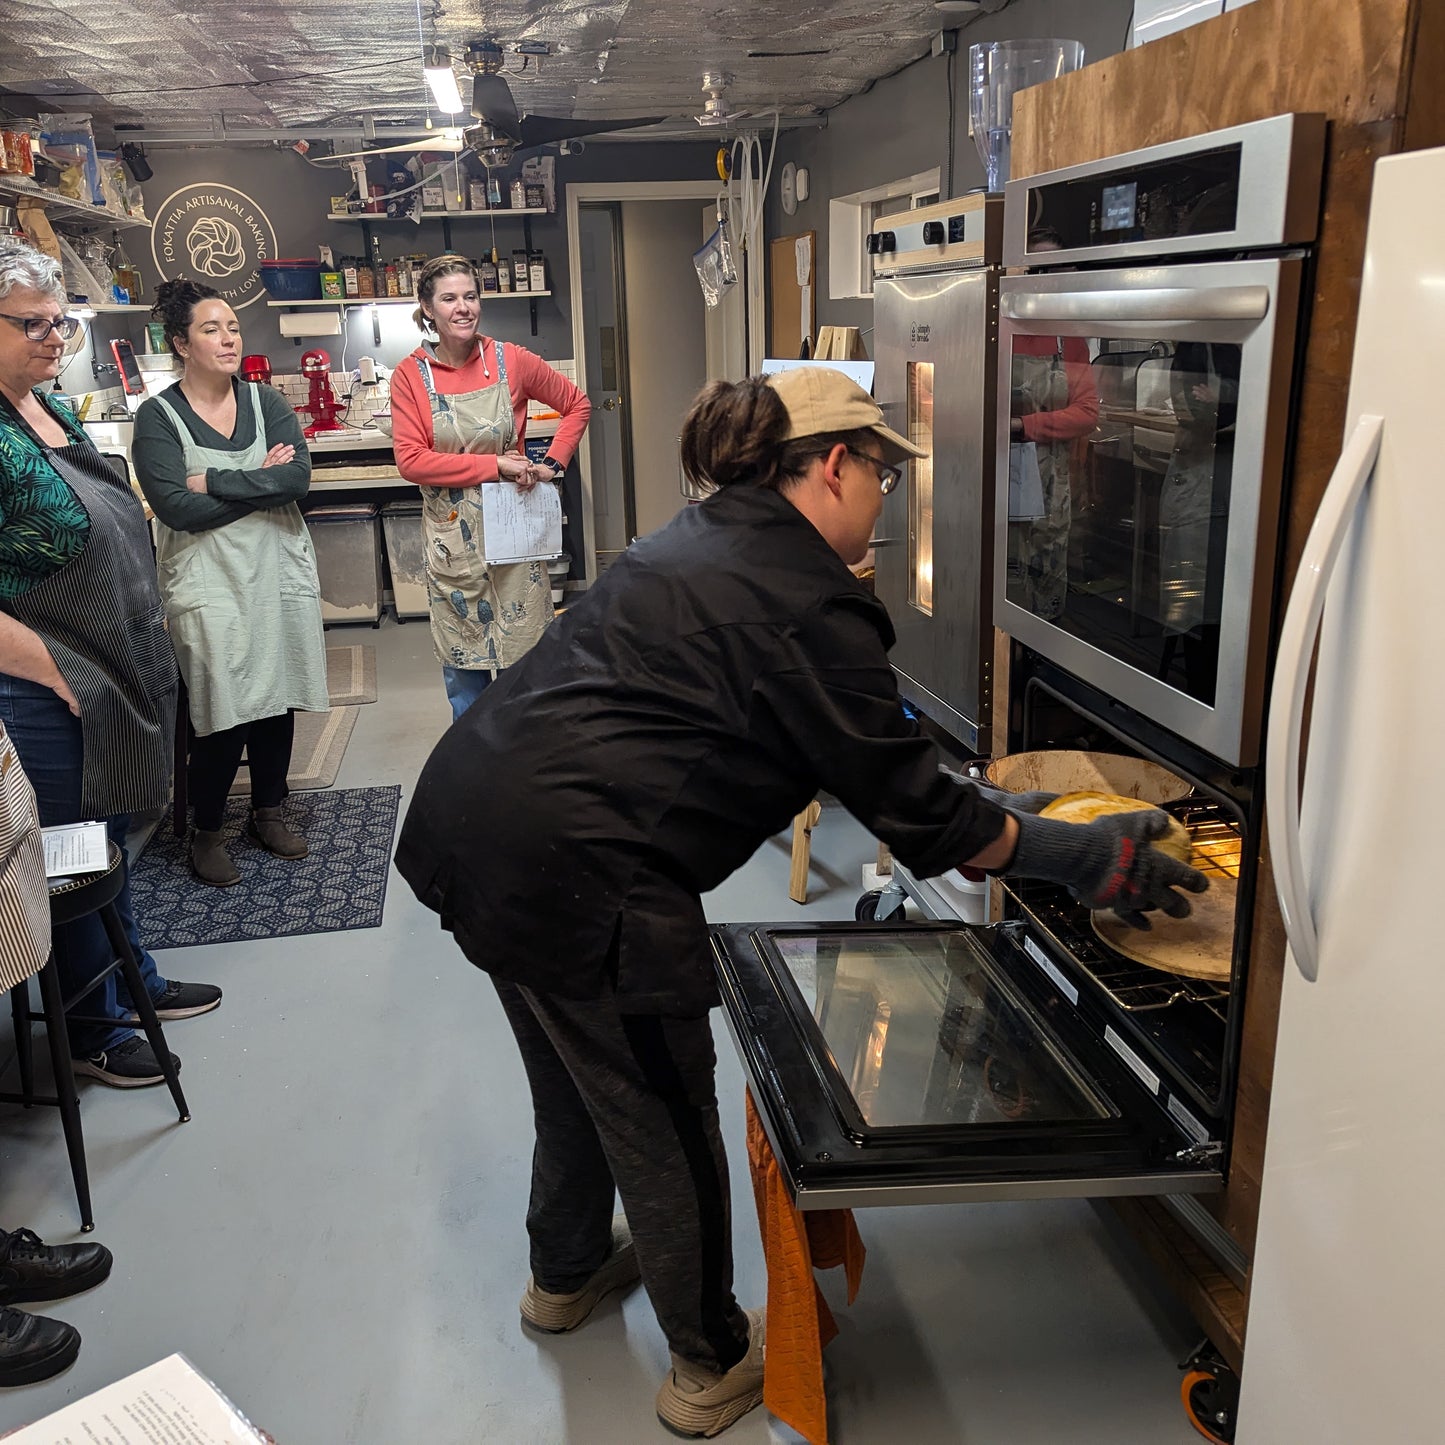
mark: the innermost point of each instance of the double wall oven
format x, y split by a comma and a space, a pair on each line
1145, 372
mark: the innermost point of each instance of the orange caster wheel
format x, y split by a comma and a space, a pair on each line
1210, 1393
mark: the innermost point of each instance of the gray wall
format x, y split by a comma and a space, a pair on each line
295, 197
899, 126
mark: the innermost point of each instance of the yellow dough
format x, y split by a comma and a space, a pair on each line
1085, 807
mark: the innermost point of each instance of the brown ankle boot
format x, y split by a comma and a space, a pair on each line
209, 860
267, 829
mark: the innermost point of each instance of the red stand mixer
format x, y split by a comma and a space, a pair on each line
321, 404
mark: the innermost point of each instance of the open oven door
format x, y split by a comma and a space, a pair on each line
930, 1063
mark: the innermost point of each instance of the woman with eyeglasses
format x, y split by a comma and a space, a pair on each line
87, 675
721, 673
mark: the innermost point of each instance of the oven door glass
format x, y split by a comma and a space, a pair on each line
920, 495
1122, 463
918, 1063
1146, 419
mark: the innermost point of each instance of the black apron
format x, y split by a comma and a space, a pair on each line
100, 617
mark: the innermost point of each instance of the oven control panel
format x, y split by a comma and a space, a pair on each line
963, 232
1252, 186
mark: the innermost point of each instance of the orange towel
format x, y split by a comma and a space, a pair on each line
799, 1320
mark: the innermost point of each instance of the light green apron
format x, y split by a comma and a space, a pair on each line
483, 617
243, 601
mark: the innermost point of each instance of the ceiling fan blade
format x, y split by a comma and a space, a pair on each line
537, 130
492, 102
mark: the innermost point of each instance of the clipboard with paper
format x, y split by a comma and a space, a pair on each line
520, 526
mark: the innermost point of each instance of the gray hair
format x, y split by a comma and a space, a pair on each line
22, 265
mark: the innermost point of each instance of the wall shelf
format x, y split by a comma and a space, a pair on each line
65, 208
374, 217
106, 307
487, 296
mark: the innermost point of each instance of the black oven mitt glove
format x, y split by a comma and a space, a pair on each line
1014, 802
1108, 863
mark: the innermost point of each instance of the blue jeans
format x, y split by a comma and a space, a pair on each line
48, 739
464, 686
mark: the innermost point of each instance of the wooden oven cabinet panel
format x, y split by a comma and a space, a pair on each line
1377, 82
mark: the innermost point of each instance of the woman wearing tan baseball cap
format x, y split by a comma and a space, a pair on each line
722, 672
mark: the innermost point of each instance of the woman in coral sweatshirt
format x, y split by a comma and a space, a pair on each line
459, 417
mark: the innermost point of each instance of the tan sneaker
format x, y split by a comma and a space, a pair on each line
694, 1401
558, 1313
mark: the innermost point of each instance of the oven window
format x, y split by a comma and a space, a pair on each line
923, 1033
920, 492
1121, 459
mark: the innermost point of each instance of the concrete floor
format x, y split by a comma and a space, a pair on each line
337, 1238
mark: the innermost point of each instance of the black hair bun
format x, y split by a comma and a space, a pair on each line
177, 298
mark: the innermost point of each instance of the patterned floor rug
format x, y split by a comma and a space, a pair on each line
316, 751
340, 885
351, 674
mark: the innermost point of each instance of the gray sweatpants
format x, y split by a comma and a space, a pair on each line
630, 1101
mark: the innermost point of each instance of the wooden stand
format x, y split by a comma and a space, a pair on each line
803, 826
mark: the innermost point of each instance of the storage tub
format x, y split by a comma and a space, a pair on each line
406, 557
347, 543
292, 280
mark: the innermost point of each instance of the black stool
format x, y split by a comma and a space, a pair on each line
71, 900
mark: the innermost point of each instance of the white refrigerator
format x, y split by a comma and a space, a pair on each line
1345, 1340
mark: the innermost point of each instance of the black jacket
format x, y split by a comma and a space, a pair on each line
719, 675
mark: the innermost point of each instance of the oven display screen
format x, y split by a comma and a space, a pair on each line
1195, 195
1119, 205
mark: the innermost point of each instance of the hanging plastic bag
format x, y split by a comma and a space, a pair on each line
715, 269
1025, 484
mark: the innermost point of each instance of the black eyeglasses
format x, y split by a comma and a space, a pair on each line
37, 328
888, 476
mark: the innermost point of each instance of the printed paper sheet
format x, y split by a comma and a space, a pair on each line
521, 526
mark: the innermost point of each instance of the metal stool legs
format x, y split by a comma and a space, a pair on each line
57, 1035
67, 1096
135, 985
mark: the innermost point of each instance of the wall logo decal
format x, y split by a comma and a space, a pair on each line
217, 235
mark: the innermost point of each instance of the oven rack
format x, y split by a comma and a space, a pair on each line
1135, 987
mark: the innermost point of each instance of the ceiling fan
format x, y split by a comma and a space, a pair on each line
717, 111
500, 131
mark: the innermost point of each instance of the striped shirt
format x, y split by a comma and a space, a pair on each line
24, 897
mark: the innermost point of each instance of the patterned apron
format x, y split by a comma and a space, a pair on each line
243, 601
482, 617
100, 617
1038, 550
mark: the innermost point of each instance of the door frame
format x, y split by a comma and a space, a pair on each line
583, 191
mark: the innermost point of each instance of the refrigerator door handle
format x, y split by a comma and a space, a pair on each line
1291, 676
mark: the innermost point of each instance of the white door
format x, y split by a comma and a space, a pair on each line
605, 340
666, 348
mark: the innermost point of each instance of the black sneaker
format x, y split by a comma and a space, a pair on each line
31, 1270
131, 1064
34, 1348
183, 1001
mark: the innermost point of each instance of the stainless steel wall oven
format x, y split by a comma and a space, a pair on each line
1144, 431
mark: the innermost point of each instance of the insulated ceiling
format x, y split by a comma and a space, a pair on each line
168, 65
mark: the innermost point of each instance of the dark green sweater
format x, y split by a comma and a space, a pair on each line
158, 457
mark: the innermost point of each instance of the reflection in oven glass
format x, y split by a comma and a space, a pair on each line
922, 1033
1124, 546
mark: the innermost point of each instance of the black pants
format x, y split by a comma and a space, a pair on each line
630, 1101
216, 757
